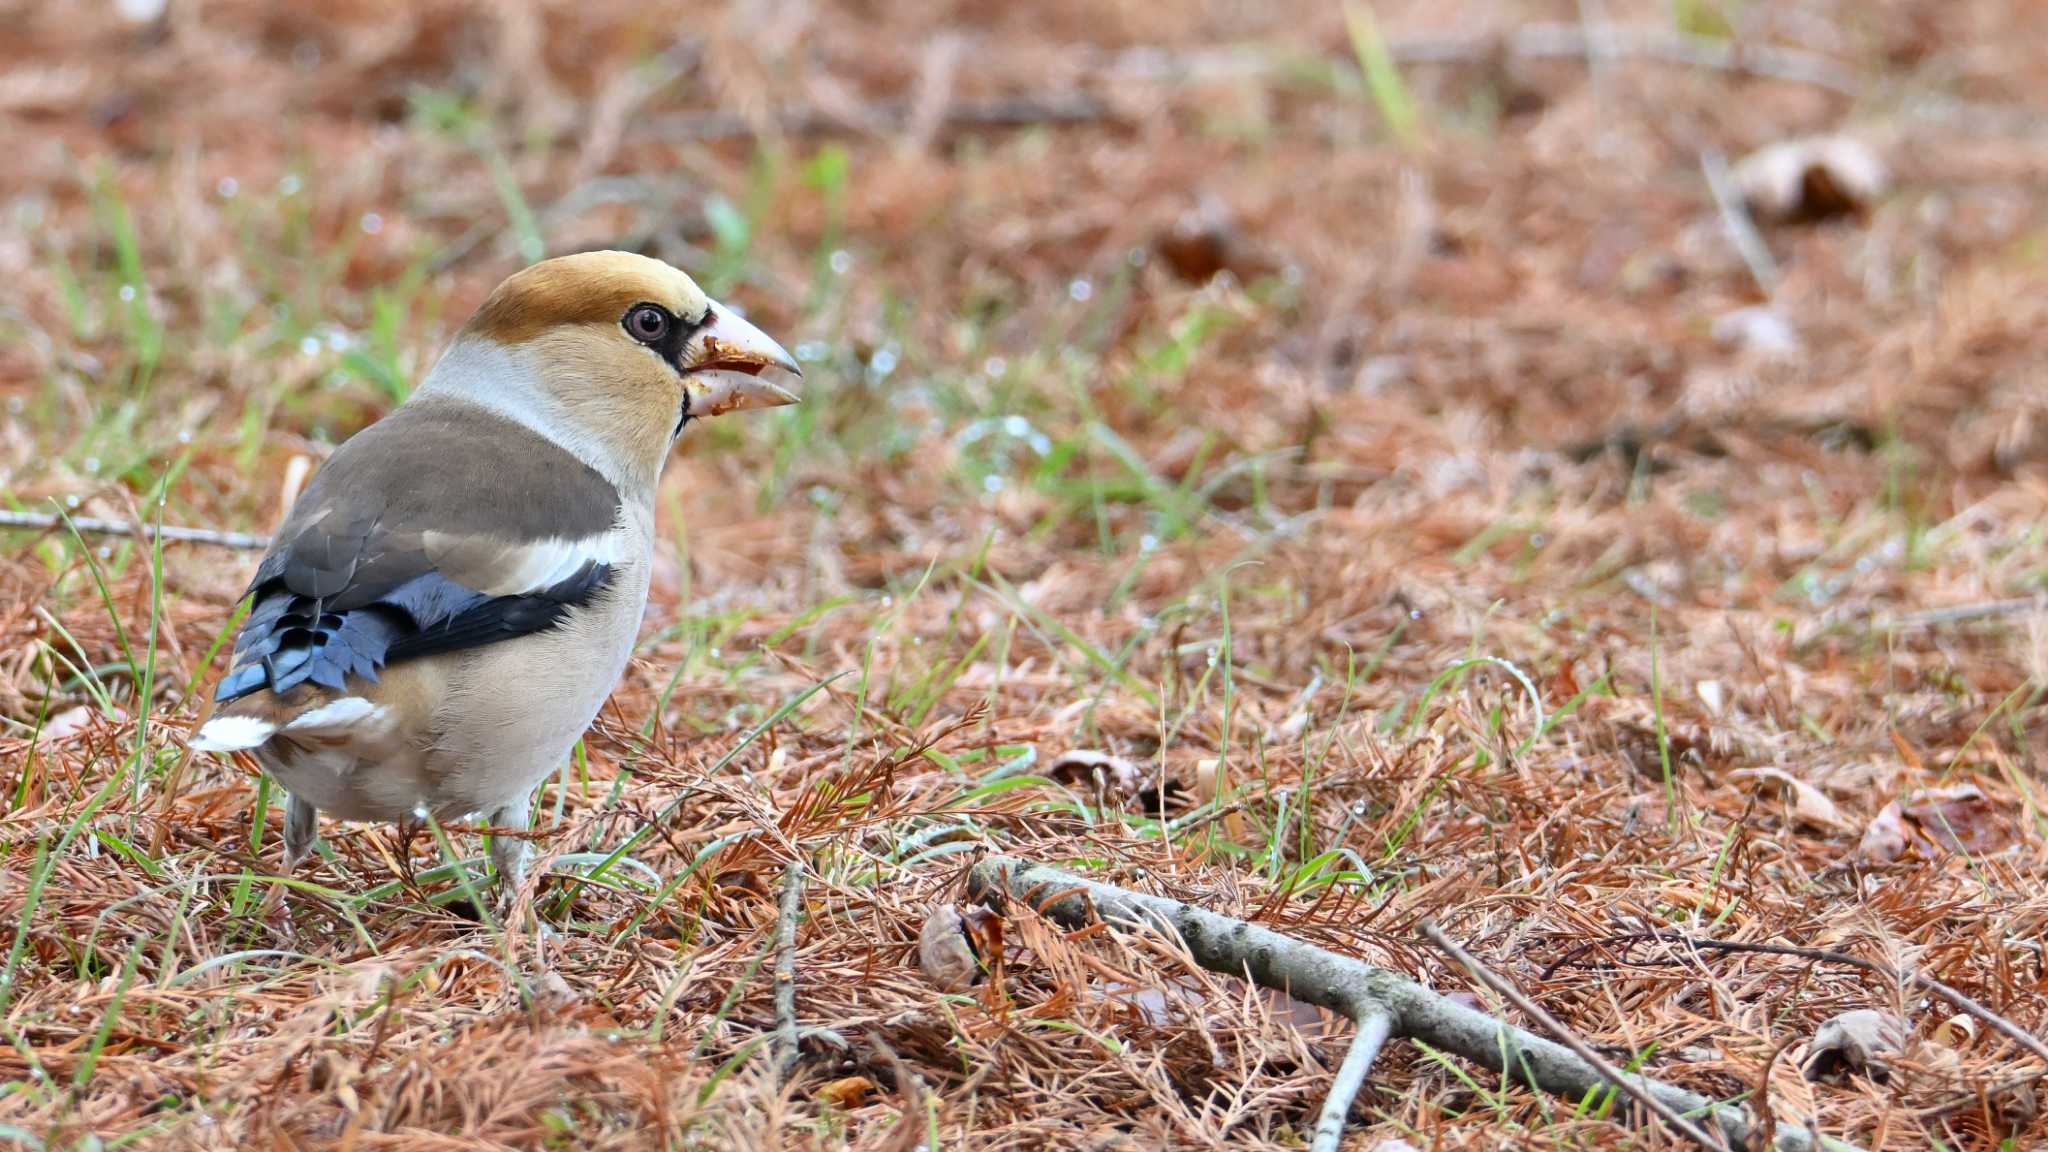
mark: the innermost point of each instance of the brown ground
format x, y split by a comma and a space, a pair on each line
1166, 397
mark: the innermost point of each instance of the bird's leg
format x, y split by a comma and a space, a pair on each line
509, 853
301, 831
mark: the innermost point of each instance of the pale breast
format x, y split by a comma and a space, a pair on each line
513, 711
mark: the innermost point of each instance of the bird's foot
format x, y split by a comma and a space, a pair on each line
509, 857
301, 832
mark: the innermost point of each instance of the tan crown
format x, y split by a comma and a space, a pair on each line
587, 288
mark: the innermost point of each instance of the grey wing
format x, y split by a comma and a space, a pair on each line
416, 539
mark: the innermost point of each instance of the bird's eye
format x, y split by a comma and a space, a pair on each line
647, 323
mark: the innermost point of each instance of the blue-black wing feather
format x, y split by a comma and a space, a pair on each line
292, 638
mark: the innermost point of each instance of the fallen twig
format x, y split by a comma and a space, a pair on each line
1960, 614
1615, 1076
881, 119
1350, 986
1621, 41
47, 521
785, 968
1541, 40
1749, 243
1373, 1030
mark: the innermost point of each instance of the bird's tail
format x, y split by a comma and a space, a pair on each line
310, 717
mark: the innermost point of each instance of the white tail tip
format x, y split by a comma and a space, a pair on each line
231, 733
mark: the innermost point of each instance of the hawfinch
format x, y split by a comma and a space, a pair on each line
458, 590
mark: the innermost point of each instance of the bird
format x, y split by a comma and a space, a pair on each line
459, 587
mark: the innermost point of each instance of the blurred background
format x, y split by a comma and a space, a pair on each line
1192, 383
1272, 228
1487, 214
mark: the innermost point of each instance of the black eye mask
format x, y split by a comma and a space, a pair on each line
660, 330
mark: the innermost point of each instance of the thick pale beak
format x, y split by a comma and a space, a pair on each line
728, 356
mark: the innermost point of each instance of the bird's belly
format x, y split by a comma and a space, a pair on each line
514, 710
355, 779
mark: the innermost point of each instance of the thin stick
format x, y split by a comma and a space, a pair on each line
1749, 243
1617, 41
1373, 1030
46, 521
1961, 614
1599, 37
785, 968
888, 118
1541, 40
1955, 997
1565, 1036
1348, 985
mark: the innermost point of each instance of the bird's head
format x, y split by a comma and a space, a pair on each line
611, 354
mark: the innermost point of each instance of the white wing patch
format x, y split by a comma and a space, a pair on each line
232, 733
501, 568
335, 715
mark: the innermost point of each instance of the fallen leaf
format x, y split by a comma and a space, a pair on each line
1212, 780
944, 953
1204, 242
1710, 693
984, 933
1148, 1002
1960, 818
1098, 773
1169, 797
1303, 1015
1395, 1144
71, 721
1886, 838
1957, 818
1809, 804
845, 1093
1759, 332
1955, 1032
1813, 178
554, 991
1854, 1043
